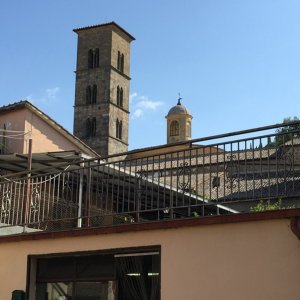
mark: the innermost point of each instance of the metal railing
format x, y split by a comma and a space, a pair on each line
209, 176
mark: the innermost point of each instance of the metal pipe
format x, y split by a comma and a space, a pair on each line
79, 216
28, 190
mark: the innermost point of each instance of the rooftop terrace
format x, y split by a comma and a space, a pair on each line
234, 173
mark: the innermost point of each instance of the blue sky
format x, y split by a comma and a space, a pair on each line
235, 63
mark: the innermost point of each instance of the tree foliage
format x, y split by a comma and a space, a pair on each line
286, 133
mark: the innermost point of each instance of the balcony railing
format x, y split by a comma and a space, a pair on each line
225, 174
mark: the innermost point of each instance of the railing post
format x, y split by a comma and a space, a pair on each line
79, 219
28, 189
88, 198
139, 196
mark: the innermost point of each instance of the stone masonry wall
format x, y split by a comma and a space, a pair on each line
109, 40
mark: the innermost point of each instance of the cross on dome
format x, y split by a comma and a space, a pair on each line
179, 98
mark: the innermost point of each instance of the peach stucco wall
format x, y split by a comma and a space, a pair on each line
252, 260
45, 138
14, 121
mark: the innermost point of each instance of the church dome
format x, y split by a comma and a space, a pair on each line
179, 121
179, 109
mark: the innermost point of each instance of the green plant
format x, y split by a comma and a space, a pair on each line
195, 214
264, 205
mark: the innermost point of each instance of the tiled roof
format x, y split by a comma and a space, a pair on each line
103, 25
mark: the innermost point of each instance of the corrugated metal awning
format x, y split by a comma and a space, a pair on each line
41, 162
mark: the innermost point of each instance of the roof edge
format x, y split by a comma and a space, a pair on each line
103, 25
170, 224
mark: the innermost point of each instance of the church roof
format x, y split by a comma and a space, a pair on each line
103, 25
179, 109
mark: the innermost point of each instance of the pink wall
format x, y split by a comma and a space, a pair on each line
14, 120
45, 137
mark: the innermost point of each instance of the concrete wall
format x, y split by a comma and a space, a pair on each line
250, 260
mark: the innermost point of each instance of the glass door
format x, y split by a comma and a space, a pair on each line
95, 290
104, 290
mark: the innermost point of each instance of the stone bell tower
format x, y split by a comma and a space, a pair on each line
179, 124
101, 110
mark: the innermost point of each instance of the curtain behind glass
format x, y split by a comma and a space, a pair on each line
134, 279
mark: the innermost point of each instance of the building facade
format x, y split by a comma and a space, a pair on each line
219, 257
102, 88
22, 121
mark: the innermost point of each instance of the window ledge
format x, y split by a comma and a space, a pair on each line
119, 140
121, 73
114, 104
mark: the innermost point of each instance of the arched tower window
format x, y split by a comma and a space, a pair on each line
96, 58
88, 127
94, 94
118, 95
122, 63
174, 128
93, 127
90, 58
93, 58
119, 61
118, 129
88, 95
121, 97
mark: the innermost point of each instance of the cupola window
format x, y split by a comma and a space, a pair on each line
174, 128
188, 129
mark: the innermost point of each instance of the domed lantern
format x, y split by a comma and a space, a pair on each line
179, 123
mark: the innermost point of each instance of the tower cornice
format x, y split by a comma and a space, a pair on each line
114, 24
